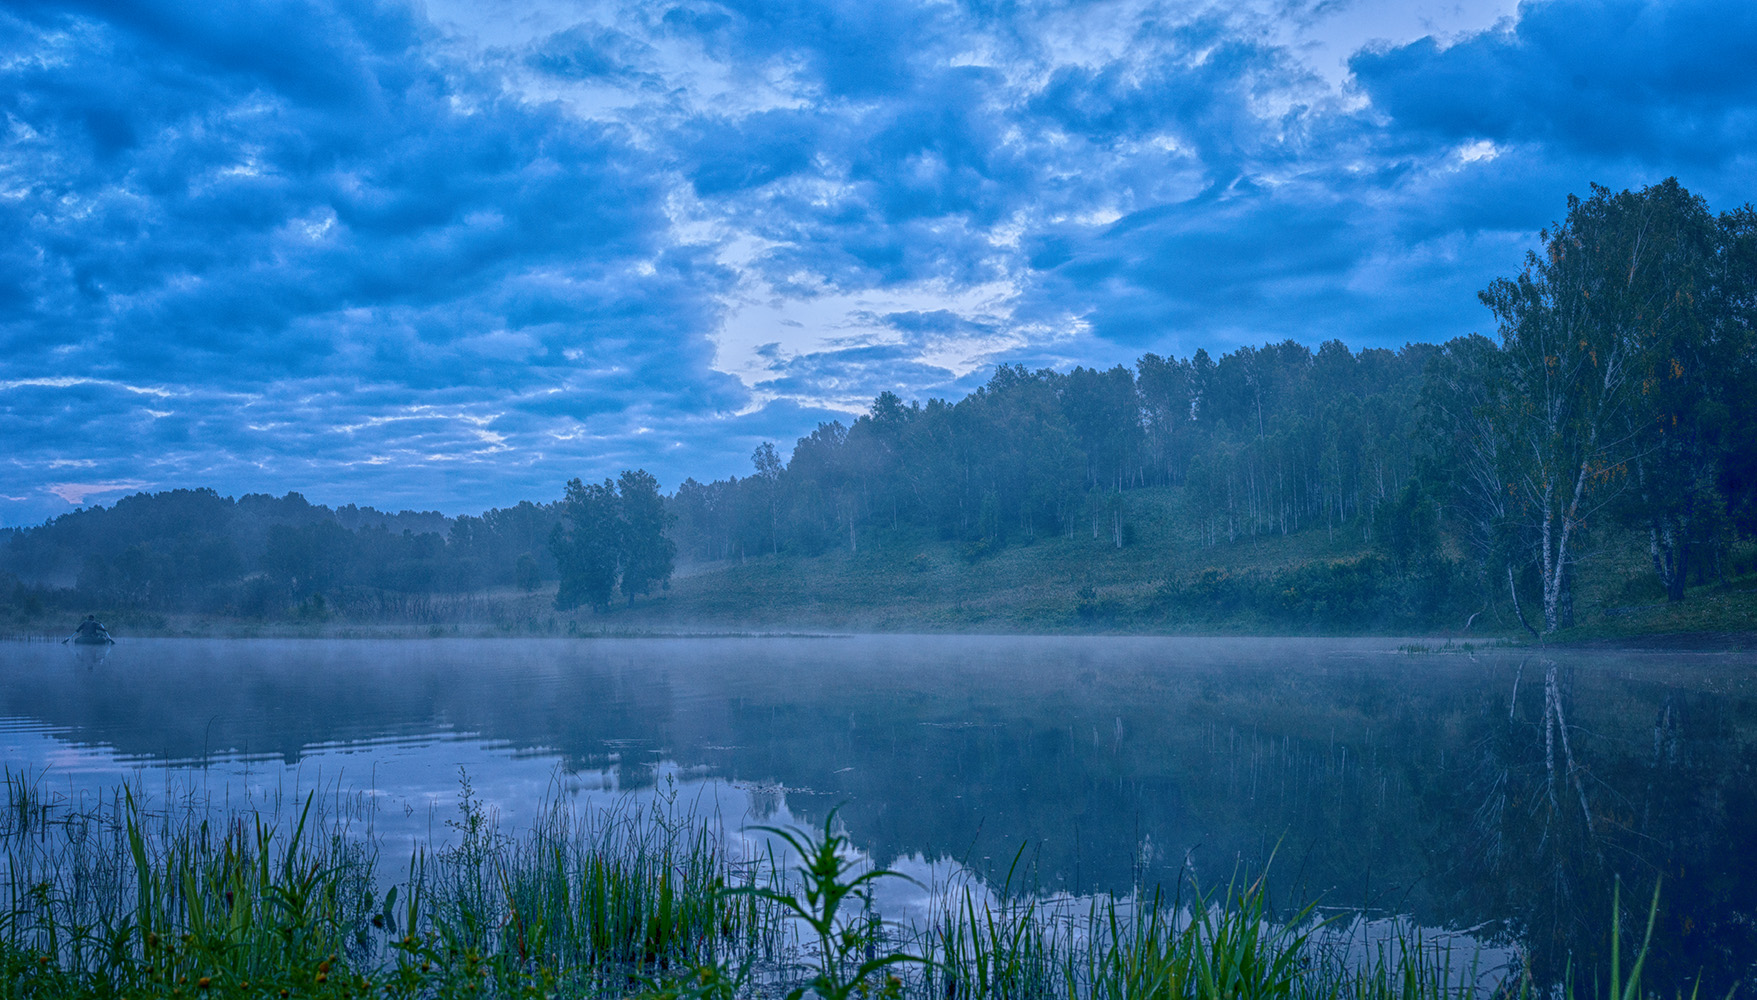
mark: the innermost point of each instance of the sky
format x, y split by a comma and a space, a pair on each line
446, 256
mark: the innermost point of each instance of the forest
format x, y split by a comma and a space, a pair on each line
1613, 409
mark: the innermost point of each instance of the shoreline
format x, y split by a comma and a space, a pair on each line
1708, 640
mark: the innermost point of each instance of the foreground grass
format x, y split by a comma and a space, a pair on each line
122, 901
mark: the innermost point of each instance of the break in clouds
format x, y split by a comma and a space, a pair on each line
451, 255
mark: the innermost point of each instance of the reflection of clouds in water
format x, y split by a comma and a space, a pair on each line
405, 789
401, 793
1465, 958
404, 792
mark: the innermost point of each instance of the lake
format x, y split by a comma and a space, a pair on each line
1498, 793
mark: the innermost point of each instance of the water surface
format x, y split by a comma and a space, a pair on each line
1502, 793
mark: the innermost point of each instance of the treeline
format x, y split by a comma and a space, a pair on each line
1616, 408
1272, 439
258, 555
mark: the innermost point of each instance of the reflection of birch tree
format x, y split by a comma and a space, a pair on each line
1570, 792
1534, 833
1555, 727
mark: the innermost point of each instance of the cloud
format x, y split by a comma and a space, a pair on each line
452, 255
592, 51
76, 493
1659, 83
336, 252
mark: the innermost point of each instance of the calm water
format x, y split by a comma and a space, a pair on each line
1435, 786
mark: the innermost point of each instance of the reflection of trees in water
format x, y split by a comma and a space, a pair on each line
1563, 809
1455, 789
1533, 831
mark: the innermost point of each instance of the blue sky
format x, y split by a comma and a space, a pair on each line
446, 256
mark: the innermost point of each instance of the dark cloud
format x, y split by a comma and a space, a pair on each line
728, 156
592, 51
1664, 83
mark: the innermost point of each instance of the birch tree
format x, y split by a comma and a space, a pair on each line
1571, 347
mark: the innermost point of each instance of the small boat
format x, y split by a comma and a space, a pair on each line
90, 632
91, 656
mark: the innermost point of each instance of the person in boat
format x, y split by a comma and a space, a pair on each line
91, 627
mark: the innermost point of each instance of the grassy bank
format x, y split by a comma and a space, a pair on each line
125, 900
1163, 580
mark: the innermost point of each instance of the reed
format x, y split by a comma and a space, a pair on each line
120, 899
123, 899
1220, 946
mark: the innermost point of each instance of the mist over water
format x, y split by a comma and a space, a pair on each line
1429, 785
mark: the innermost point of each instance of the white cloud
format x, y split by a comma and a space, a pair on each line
76, 493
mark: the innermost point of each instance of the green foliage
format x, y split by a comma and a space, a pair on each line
125, 901
588, 545
611, 532
527, 574
1363, 593
181, 910
647, 555
257, 556
1624, 344
1617, 408
1087, 606
847, 957
312, 609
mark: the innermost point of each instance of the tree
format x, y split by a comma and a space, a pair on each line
1464, 407
647, 555
1573, 334
1167, 393
308, 558
1670, 304
767, 483
1736, 319
587, 545
528, 576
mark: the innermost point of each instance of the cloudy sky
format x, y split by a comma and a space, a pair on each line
448, 255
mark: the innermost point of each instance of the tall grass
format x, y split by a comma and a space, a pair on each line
120, 899
1202, 946
590, 900
123, 900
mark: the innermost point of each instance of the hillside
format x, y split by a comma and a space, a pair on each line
1166, 580
1315, 582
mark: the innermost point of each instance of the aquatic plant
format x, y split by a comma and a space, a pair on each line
119, 900
847, 957
130, 899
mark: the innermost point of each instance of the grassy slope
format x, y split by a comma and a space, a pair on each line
1619, 598
912, 581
